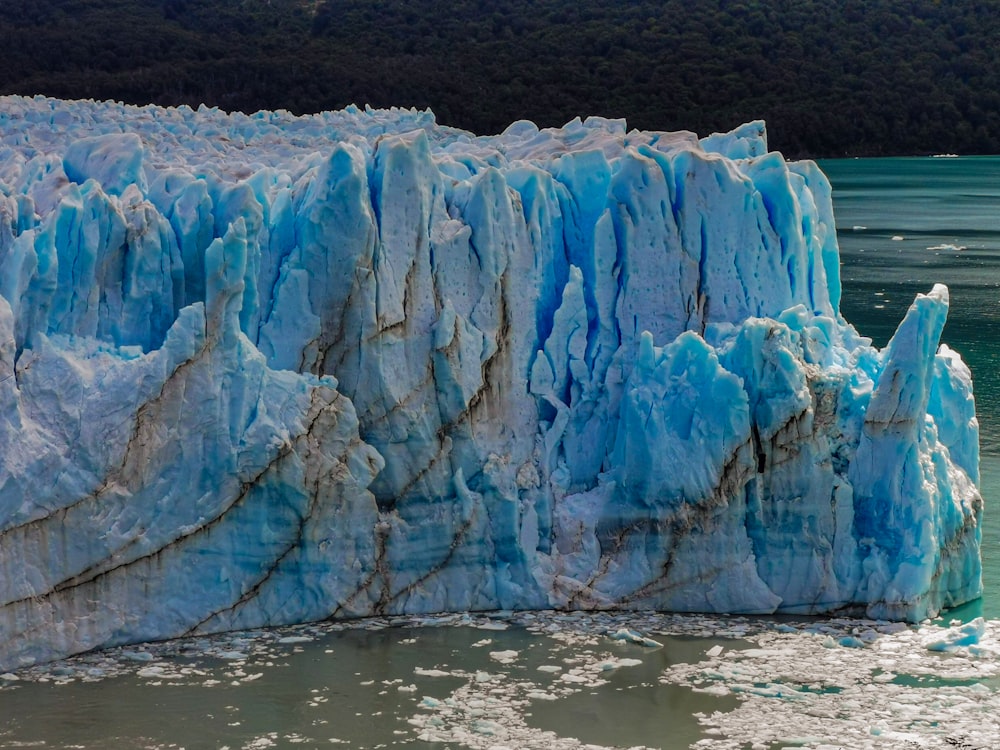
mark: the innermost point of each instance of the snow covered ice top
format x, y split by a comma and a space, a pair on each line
266, 369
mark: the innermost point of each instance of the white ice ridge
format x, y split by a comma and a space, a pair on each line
268, 369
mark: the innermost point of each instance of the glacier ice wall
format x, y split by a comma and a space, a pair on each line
267, 369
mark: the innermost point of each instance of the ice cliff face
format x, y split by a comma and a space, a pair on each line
267, 369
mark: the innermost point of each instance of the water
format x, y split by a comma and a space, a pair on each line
338, 684
947, 213
558, 681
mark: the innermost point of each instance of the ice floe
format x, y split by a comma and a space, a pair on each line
816, 683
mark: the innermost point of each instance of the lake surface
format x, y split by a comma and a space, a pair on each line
906, 224
572, 681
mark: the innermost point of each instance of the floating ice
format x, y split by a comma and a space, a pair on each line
504, 657
790, 689
795, 692
616, 663
263, 369
630, 636
956, 637
430, 672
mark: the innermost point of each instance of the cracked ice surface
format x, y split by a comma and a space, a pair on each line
268, 369
854, 684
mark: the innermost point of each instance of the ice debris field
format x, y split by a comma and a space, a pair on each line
821, 685
266, 369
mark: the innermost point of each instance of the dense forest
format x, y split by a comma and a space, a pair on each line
831, 77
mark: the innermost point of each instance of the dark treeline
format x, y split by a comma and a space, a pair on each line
831, 77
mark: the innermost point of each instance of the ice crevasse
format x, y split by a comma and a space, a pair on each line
264, 369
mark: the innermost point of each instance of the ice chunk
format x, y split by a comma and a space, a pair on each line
954, 638
263, 370
114, 160
630, 636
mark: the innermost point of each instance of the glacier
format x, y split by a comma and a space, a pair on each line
267, 369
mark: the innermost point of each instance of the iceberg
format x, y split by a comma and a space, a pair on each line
267, 369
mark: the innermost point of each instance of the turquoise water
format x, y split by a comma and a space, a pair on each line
560, 682
947, 213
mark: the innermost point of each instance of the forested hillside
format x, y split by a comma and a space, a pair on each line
831, 77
